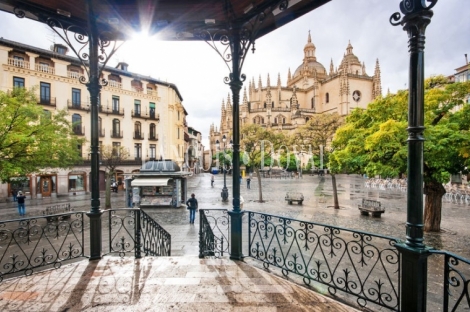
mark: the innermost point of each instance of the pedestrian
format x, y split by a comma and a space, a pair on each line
14, 193
21, 208
240, 180
192, 206
129, 199
114, 187
212, 180
248, 181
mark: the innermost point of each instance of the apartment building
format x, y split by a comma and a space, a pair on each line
140, 113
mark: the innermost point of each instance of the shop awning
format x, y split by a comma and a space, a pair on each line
150, 182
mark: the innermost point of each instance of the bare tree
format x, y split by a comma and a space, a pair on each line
111, 158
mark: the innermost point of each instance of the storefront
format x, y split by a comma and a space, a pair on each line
159, 184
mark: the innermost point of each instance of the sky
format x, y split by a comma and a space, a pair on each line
198, 72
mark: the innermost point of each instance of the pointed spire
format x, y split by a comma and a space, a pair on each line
268, 82
377, 81
278, 80
388, 91
259, 83
331, 67
364, 69
349, 48
289, 77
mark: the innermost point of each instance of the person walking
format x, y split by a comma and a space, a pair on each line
248, 181
21, 208
14, 193
192, 206
212, 180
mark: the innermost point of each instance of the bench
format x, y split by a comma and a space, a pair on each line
57, 209
294, 197
371, 206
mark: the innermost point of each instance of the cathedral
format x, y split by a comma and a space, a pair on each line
309, 91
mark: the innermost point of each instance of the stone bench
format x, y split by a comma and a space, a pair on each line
57, 209
373, 207
294, 197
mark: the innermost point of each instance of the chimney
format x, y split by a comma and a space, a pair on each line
466, 59
122, 66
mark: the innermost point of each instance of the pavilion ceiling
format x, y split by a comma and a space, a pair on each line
171, 19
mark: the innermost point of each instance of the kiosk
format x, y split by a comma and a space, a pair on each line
160, 183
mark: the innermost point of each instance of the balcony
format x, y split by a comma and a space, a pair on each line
153, 137
307, 110
45, 69
116, 134
138, 135
114, 84
47, 101
101, 133
280, 109
145, 116
257, 110
73, 75
137, 89
78, 106
152, 92
78, 130
18, 63
110, 110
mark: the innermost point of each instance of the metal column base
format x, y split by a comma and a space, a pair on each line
95, 235
236, 252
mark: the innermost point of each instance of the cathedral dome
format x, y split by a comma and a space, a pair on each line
349, 58
310, 63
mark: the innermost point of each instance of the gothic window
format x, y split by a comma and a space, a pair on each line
283, 120
327, 98
275, 120
264, 104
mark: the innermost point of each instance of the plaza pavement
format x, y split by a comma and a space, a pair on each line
183, 282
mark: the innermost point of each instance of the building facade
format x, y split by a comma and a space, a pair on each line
310, 90
140, 113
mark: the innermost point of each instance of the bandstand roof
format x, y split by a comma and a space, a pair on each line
171, 19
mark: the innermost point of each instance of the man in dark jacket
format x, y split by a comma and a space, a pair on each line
192, 206
21, 208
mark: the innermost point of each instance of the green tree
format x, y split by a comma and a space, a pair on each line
259, 145
32, 139
111, 158
319, 131
374, 141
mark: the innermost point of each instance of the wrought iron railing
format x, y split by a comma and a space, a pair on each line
28, 245
134, 231
455, 281
214, 233
361, 264
155, 240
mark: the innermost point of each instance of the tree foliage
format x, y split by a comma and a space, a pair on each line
258, 146
374, 141
32, 139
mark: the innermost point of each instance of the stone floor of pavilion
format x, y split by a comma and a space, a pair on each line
160, 284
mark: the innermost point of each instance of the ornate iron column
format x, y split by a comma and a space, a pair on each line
414, 253
93, 62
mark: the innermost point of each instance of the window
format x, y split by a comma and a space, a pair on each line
45, 93
115, 104
76, 97
137, 107
152, 131
77, 123
76, 181
283, 120
178, 133
79, 150
275, 120
137, 130
116, 128
18, 82
313, 103
152, 109
178, 115
153, 151
138, 151
327, 98
116, 148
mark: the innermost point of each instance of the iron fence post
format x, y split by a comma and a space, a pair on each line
138, 244
416, 17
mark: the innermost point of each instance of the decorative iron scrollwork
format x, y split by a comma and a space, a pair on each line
409, 7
